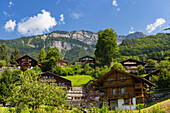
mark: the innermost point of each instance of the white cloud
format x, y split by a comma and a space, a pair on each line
37, 24
131, 30
10, 4
5, 13
158, 22
118, 9
114, 3
76, 15
10, 25
61, 19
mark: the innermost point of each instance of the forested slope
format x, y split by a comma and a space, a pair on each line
153, 46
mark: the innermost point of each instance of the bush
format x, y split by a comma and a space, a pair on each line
2, 63
140, 106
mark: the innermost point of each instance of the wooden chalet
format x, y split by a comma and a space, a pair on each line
26, 62
148, 69
53, 78
149, 76
154, 59
88, 59
131, 64
123, 90
62, 63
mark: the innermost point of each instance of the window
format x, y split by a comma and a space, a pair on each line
109, 79
123, 90
122, 78
114, 91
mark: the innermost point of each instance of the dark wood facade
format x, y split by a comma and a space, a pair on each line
53, 78
149, 76
131, 64
122, 85
154, 59
62, 63
88, 59
26, 62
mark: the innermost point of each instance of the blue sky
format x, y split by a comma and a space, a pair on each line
32, 17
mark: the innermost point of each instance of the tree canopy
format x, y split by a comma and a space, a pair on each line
14, 55
106, 47
42, 55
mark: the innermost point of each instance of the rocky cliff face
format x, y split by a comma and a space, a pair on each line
91, 38
84, 36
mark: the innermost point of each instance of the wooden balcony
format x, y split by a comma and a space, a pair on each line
138, 85
118, 96
118, 83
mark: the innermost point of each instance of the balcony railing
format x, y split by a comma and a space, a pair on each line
117, 96
138, 85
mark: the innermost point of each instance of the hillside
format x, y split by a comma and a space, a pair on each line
71, 45
153, 46
59, 39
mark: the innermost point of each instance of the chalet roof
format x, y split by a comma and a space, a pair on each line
62, 60
153, 73
153, 59
87, 56
101, 79
54, 75
132, 60
25, 56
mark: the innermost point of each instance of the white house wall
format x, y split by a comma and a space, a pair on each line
121, 106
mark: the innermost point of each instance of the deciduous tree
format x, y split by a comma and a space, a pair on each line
30, 91
51, 59
106, 47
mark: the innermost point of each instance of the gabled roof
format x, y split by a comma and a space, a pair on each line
153, 59
132, 60
101, 79
54, 75
87, 56
153, 73
62, 60
25, 56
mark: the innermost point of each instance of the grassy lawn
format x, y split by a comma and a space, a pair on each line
160, 100
79, 80
164, 102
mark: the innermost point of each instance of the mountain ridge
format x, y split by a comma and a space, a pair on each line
62, 40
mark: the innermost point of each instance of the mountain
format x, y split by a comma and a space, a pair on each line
135, 35
65, 42
149, 46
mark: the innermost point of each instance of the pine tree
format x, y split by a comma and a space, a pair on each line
106, 47
14, 55
42, 56
4, 52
